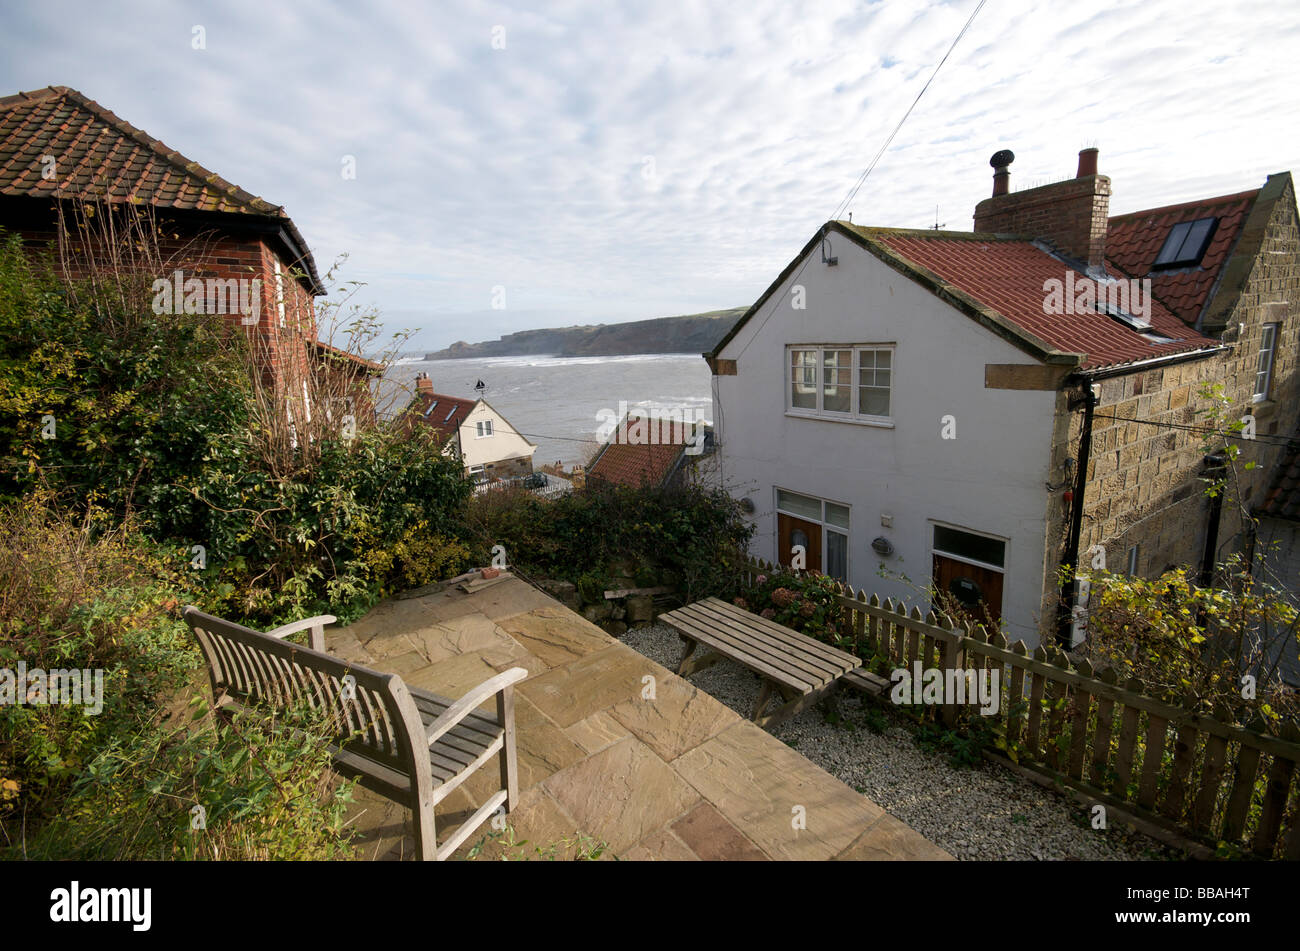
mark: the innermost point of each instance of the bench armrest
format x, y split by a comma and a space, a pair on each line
467, 704
317, 625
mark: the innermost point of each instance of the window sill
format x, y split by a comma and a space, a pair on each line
848, 420
1264, 407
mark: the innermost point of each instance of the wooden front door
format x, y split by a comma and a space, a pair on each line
978, 590
791, 531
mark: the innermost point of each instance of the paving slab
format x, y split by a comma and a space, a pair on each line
678, 718
622, 793
887, 839
656, 769
660, 846
552, 635
711, 837
789, 807
578, 689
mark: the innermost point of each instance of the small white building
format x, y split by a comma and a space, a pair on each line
485, 442
913, 411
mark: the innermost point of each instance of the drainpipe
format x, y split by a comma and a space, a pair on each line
1215, 466
1070, 560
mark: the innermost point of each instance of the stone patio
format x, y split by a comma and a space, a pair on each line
611, 745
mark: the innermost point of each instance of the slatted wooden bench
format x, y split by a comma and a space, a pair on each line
801, 669
409, 745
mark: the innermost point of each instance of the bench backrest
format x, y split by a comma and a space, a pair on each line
371, 714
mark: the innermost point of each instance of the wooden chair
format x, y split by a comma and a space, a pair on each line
409, 745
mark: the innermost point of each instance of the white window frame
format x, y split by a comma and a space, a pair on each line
854, 414
483, 429
826, 526
279, 293
1267, 349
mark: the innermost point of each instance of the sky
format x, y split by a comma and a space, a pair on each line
493, 167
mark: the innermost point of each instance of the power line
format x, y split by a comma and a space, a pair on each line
1268, 439
879, 154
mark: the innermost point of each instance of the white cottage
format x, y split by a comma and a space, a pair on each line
485, 442
918, 408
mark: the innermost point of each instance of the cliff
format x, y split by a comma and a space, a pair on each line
690, 333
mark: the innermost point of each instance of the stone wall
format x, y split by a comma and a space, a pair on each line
1144, 483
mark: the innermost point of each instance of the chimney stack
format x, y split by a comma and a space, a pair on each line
1071, 215
423, 384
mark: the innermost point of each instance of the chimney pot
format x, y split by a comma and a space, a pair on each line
1001, 172
1087, 163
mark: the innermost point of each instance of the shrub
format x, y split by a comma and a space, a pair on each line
803, 601
696, 537
75, 598
265, 788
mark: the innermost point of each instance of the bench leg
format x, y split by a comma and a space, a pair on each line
426, 832
509, 759
793, 707
688, 648
693, 663
764, 694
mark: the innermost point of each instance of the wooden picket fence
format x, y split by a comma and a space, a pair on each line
1167, 769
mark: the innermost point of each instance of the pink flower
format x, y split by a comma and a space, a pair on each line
741, 603
807, 609
760, 579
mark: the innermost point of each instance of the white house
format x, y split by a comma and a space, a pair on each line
917, 408
485, 442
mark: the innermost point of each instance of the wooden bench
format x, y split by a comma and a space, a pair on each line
409, 745
801, 669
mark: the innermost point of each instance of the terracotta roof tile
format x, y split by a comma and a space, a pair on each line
1134, 240
640, 463
443, 413
100, 156
1008, 277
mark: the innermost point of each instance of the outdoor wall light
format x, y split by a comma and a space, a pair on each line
882, 546
747, 506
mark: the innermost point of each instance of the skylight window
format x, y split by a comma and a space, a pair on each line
1186, 243
1124, 317
430, 409
451, 414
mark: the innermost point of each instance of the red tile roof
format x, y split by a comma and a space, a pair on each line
643, 463
102, 157
443, 413
1134, 240
1008, 277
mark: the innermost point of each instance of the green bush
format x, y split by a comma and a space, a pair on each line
265, 788
694, 537
163, 419
803, 601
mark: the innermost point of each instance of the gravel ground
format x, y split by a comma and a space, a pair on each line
986, 812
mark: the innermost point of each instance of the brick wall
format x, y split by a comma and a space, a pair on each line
1072, 215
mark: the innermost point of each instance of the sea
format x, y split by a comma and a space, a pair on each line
559, 403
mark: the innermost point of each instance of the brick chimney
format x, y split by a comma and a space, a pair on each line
1070, 215
423, 384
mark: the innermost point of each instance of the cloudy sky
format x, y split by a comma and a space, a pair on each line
610, 161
